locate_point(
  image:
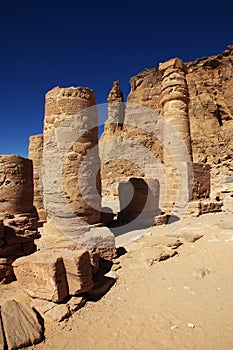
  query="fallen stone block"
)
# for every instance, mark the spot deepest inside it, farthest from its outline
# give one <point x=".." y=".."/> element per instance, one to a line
<point x="21" y="325"/>
<point x="68" y="244"/>
<point x="78" y="270"/>
<point x="42" y="275"/>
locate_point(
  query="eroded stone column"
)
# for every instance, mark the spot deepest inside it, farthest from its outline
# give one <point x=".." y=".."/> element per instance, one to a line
<point x="35" y="153"/>
<point x="16" y="185"/>
<point x="116" y="109"/>
<point x="174" y="100"/>
<point x="71" y="161"/>
<point x="18" y="218"/>
<point x="177" y="154"/>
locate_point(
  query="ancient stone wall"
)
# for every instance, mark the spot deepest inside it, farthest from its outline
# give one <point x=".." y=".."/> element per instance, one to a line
<point x="201" y="183"/>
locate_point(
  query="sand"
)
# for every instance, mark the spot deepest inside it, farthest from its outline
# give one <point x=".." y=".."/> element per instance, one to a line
<point x="184" y="302"/>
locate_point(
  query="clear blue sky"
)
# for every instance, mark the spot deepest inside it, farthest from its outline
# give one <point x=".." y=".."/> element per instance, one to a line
<point x="91" y="43"/>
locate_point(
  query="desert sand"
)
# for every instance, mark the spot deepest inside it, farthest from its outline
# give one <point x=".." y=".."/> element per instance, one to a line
<point x="183" y="302"/>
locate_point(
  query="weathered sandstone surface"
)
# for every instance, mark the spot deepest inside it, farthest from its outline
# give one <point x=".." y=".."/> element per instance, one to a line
<point x="70" y="169"/>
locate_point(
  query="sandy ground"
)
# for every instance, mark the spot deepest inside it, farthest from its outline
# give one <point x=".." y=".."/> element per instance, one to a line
<point x="182" y="303"/>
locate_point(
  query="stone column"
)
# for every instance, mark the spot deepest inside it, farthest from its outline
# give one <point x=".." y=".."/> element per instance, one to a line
<point x="177" y="154"/>
<point x="35" y="153"/>
<point x="18" y="218"/>
<point x="16" y="185"/>
<point x="174" y="100"/>
<point x="71" y="163"/>
<point x="116" y="109"/>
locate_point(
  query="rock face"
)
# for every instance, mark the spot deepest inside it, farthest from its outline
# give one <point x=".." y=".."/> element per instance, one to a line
<point x="35" y="153"/>
<point x="18" y="218"/>
<point x="55" y="273"/>
<point x="20" y="324"/>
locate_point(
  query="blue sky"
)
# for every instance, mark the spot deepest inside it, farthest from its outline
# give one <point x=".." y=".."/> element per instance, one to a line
<point x="92" y="43"/>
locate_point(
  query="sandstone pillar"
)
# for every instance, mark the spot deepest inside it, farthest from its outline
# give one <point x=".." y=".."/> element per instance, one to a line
<point x="18" y="218"/>
<point x="16" y="185"/>
<point x="116" y="108"/>
<point x="35" y="153"/>
<point x="174" y="100"/>
<point x="177" y="153"/>
<point x="71" y="163"/>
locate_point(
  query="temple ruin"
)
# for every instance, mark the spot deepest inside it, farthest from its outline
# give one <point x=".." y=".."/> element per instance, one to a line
<point x="144" y="168"/>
